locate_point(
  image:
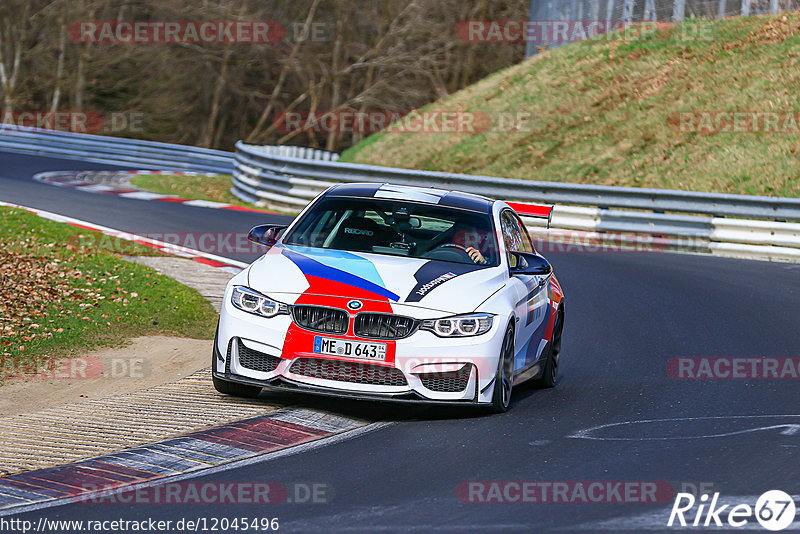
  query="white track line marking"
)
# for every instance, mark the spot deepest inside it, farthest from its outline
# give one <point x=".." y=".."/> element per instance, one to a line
<point x="789" y="428"/>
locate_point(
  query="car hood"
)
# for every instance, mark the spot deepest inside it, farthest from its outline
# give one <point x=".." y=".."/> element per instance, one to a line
<point x="286" y="272"/>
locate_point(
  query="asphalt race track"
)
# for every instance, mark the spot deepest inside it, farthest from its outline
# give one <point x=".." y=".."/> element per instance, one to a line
<point x="128" y="215"/>
<point x="627" y="314"/>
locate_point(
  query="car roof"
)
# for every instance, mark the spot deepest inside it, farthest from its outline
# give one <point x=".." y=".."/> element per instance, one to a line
<point x="428" y="195"/>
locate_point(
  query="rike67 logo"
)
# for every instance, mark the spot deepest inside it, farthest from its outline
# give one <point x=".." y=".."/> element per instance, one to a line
<point x="774" y="510"/>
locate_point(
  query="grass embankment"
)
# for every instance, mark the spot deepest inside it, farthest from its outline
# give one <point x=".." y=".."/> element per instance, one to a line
<point x="61" y="294"/>
<point x="606" y="112"/>
<point x="200" y="187"/>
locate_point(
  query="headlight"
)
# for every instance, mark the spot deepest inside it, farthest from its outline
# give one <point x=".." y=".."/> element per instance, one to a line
<point x="254" y="302"/>
<point x="460" y="325"/>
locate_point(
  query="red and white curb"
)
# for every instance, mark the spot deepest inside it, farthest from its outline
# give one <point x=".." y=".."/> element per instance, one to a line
<point x="79" y="181"/>
<point x="224" y="447"/>
<point x="199" y="256"/>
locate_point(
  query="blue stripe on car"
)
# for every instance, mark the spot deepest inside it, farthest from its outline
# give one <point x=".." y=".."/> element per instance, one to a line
<point x="344" y="261"/>
<point x="312" y="267"/>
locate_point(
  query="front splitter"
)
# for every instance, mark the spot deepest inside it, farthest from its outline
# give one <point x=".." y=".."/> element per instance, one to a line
<point x="283" y="384"/>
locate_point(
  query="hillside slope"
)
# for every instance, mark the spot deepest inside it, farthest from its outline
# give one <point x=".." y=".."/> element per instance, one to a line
<point x="627" y="113"/>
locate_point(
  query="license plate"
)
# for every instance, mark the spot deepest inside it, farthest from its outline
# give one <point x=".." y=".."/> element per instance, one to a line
<point x="350" y="349"/>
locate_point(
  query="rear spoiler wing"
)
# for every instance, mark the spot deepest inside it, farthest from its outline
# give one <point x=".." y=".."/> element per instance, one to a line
<point x="537" y="211"/>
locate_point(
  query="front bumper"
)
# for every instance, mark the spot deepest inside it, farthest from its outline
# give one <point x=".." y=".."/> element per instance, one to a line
<point x="280" y="384"/>
<point x="254" y="351"/>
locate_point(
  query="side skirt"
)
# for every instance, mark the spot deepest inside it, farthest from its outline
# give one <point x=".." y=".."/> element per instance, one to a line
<point x="532" y="371"/>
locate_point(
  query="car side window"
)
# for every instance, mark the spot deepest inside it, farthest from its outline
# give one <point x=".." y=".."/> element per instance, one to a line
<point x="515" y="235"/>
<point x="527" y="244"/>
<point x="511" y="232"/>
<point x="511" y="236"/>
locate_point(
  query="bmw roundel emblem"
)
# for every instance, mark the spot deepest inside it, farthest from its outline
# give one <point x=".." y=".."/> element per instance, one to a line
<point x="355" y="304"/>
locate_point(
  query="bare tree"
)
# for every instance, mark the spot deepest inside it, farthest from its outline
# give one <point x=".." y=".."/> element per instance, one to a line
<point x="375" y="55"/>
<point x="12" y="40"/>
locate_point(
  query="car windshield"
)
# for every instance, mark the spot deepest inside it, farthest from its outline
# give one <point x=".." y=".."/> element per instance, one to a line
<point x="398" y="228"/>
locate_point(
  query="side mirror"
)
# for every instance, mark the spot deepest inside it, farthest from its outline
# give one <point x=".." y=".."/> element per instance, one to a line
<point x="266" y="234"/>
<point x="529" y="264"/>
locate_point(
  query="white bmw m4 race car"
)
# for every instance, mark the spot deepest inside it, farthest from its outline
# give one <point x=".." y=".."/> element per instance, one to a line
<point x="393" y="293"/>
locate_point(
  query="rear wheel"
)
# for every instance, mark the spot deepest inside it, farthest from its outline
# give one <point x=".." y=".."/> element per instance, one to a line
<point x="504" y="379"/>
<point x="550" y="373"/>
<point x="227" y="387"/>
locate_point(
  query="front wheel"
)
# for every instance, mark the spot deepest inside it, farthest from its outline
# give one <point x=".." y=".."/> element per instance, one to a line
<point x="550" y="372"/>
<point x="504" y="379"/>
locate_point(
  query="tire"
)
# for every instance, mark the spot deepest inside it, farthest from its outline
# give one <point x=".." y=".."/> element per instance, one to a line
<point x="550" y="372"/>
<point x="504" y="379"/>
<point x="230" y="388"/>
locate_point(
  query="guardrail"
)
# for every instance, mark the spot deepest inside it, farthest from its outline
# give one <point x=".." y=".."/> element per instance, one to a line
<point x="146" y="155"/>
<point x="683" y="220"/>
<point x="299" y="152"/>
<point x="289" y="177"/>
<point x="293" y="180"/>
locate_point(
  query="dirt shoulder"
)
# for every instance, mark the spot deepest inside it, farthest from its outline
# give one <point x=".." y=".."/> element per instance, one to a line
<point x="62" y="294"/>
<point x="146" y="362"/>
